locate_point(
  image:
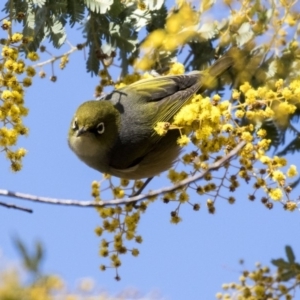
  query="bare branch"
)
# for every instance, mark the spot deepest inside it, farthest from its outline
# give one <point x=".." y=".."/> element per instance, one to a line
<point x="7" y="205"/>
<point x="216" y="165"/>
<point x="54" y="58"/>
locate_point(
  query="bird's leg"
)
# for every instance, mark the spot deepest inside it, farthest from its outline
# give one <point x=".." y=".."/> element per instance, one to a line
<point x="142" y="187"/>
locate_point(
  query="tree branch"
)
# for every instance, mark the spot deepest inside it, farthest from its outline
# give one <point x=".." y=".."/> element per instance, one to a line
<point x="7" y="205"/>
<point x="54" y="58"/>
<point x="216" y="165"/>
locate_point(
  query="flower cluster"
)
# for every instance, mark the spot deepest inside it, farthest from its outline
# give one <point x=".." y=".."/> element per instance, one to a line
<point x="261" y="284"/>
<point x="15" y="75"/>
<point x="211" y="127"/>
<point x="179" y="28"/>
<point x="121" y="221"/>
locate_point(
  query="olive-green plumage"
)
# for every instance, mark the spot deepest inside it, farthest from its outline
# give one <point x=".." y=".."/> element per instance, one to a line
<point x="116" y="136"/>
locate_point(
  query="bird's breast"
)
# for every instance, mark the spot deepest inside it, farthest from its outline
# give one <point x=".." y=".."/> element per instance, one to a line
<point x="90" y="151"/>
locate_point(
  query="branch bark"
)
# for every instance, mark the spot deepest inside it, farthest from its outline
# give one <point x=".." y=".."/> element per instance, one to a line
<point x="8" y="205"/>
<point x="216" y="165"/>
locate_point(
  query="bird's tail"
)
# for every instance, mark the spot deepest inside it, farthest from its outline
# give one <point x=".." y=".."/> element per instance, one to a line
<point x="220" y="66"/>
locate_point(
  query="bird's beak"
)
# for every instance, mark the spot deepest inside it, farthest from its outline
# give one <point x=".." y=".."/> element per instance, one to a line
<point x="81" y="131"/>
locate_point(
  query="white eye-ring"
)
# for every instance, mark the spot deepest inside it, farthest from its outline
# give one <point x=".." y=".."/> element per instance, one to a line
<point x="75" y="125"/>
<point x="100" y="128"/>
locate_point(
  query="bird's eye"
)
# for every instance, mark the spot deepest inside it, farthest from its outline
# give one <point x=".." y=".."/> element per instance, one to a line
<point x="75" y="125"/>
<point x="100" y="128"/>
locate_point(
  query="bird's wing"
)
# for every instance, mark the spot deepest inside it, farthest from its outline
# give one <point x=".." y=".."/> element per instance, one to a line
<point x="154" y="100"/>
<point x="167" y="94"/>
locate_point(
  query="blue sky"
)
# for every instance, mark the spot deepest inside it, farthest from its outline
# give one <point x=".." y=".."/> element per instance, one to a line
<point x="190" y="260"/>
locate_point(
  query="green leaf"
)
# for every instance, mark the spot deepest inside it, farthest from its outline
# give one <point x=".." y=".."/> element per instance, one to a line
<point x="76" y="11"/>
<point x="33" y="261"/>
<point x="244" y="34"/>
<point x="273" y="133"/>
<point x="99" y="6"/>
<point x="295" y="183"/>
<point x="272" y="69"/>
<point x="208" y="31"/>
<point x="292" y="147"/>
<point x="206" y="5"/>
<point x="92" y="63"/>
<point x="280" y="263"/>
<point x="290" y="254"/>
<point x="56" y="32"/>
<point x="157" y="19"/>
<point x="286" y="276"/>
<point x="154" y="4"/>
<point x="39" y="3"/>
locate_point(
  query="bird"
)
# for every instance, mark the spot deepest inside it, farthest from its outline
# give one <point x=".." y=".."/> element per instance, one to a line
<point x="115" y="135"/>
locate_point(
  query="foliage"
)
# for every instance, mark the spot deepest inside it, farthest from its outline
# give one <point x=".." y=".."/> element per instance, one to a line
<point x="262" y="283"/>
<point x="261" y="112"/>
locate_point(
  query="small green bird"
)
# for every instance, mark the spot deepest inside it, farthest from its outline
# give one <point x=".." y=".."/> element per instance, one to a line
<point x="116" y="135"/>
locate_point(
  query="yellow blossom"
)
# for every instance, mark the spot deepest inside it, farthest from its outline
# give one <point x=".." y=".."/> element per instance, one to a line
<point x="292" y="171"/>
<point x="235" y="94"/>
<point x="215" y="114"/>
<point x="124" y="182"/>
<point x="16" y="37"/>
<point x="245" y="87"/>
<point x="250" y="115"/>
<point x="183" y="140"/>
<point x="264" y="144"/>
<point x="99" y="230"/>
<point x="33" y="56"/>
<point x="239" y="113"/>
<point x="291" y="20"/>
<point x="183" y="197"/>
<point x="161" y="128"/>
<point x="120" y="85"/>
<point x="204" y="132"/>
<point x="6" y="24"/>
<point x="176" y="69"/>
<point x="187" y="114"/>
<point x="251" y="96"/>
<point x="261" y="133"/>
<point x="16" y="166"/>
<point x="9" y="53"/>
<point x="30" y="71"/>
<point x="118" y="192"/>
<point x="265" y="159"/>
<point x="247" y="136"/>
<point x="268" y="112"/>
<point x="27" y="81"/>
<point x="216" y="97"/>
<point x="286" y="108"/>
<point x="19" y="67"/>
<point x="275" y="194"/>
<point x="278" y="176"/>
<point x="154" y="39"/>
<point x="287" y="93"/>
<point x="280" y="161"/>
<point x="6" y="94"/>
<point x="173" y="175"/>
<point x="223" y="106"/>
<point x="147" y="75"/>
<point x="291" y="206"/>
<point x="279" y="83"/>
<point x="135" y="252"/>
<point x="9" y="64"/>
<point x="227" y="127"/>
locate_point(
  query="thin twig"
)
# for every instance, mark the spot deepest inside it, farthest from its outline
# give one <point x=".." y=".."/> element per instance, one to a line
<point x="54" y="58"/>
<point x="216" y="165"/>
<point x="7" y="205"/>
